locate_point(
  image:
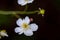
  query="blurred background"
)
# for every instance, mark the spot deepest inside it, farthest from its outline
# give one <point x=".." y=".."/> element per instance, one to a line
<point x="49" y="25"/>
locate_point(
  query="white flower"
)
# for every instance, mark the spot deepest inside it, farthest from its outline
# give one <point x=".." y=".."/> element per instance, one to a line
<point x="25" y="27"/>
<point x="3" y="33"/>
<point x="24" y="2"/>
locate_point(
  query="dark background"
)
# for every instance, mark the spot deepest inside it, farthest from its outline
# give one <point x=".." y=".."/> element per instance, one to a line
<point x="49" y="25"/>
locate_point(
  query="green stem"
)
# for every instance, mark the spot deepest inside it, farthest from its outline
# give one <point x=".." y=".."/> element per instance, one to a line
<point x="17" y="16"/>
<point x="18" y="12"/>
<point x="26" y="7"/>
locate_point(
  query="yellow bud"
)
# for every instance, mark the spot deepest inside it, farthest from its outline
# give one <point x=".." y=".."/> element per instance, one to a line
<point x="42" y="11"/>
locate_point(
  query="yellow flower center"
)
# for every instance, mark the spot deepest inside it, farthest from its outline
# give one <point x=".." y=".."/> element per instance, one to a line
<point x="25" y="25"/>
<point x="26" y="0"/>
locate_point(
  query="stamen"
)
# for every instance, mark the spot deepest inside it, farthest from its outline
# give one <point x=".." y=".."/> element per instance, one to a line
<point x="26" y="0"/>
<point x="25" y="25"/>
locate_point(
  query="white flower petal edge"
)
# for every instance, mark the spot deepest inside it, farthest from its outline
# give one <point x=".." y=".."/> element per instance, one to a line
<point x="19" y="22"/>
<point x="34" y="27"/>
<point x="21" y="32"/>
<point x="18" y="29"/>
<point x="22" y="2"/>
<point x="28" y="32"/>
<point x="30" y="1"/>
<point x="27" y="20"/>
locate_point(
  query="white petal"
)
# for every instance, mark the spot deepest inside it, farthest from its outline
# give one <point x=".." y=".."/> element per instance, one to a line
<point x="22" y="2"/>
<point x="19" y="22"/>
<point x="18" y="29"/>
<point x="21" y="32"/>
<point x="27" y="20"/>
<point x="28" y="32"/>
<point x="30" y="1"/>
<point x="33" y="27"/>
<point x="3" y="34"/>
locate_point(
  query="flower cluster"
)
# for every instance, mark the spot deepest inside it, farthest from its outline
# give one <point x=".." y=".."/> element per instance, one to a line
<point x="25" y="26"/>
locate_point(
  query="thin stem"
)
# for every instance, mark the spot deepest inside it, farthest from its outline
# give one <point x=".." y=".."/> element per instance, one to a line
<point x="26" y="7"/>
<point x="17" y="16"/>
<point x="18" y="12"/>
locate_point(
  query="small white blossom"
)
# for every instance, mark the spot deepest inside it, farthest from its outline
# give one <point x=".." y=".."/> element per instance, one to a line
<point x="3" y="33"/>
<point x="24" y="2"/>
<point x="25" y="26"/>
